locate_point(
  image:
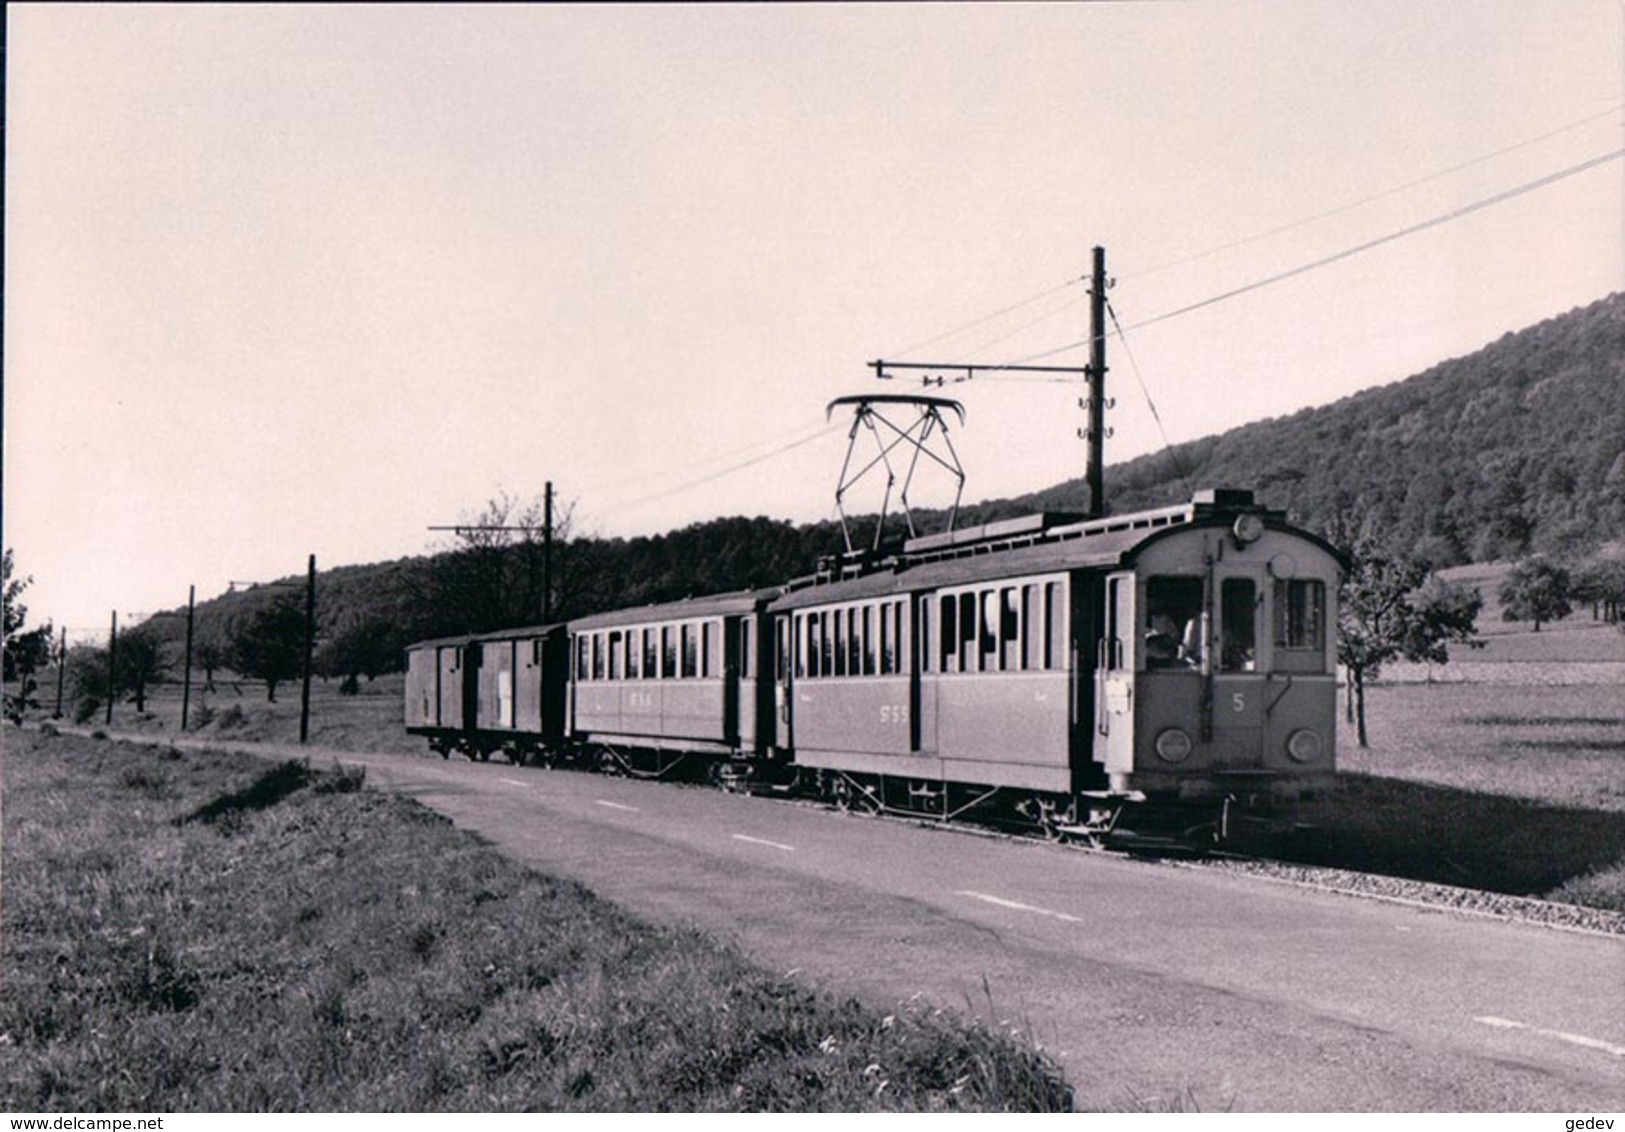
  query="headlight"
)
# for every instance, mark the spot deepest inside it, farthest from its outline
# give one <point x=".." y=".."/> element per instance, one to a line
<point x="1173" y="745"/>
<point x="1303" y="746"/>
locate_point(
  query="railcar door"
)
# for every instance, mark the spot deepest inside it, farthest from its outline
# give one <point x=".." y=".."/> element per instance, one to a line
<point x="1114" y="678"/>
<point x="777" y="730"/>
<point x="449" y="711"/>
<point x="1237" y="707"/>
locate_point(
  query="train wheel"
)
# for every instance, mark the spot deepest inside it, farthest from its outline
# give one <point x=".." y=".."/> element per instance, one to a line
<point x="840" y="793"/>
<point x="1052" y="818"/>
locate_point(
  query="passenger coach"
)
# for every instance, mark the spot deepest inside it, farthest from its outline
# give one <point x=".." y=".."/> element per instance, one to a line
<point x="671" y="680"/>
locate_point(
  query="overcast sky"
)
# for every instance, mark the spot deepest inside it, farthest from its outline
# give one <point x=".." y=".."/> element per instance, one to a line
<point x="287" y="280"/>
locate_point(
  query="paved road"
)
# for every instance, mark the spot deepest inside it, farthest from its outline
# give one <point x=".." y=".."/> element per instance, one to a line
<point x="1146" y="980"/>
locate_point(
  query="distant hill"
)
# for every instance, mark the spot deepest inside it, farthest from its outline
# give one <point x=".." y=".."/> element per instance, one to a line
<point x="1519" y="447"/>
<point x="1516" y="448"/>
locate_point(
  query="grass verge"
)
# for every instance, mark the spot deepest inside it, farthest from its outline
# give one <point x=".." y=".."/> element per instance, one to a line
<point x="198" y="932"/>
<point x="1514" y="789"/>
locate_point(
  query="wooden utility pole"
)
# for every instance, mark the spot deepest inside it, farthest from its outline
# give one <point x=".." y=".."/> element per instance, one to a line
<point x="310" y="644"/>
<point x="1097" y="388"/>
<point x="547" y="553"/>
<point x="61" y="670"/>
<point x="186" y="681"/>
<point x="112" y="667"/>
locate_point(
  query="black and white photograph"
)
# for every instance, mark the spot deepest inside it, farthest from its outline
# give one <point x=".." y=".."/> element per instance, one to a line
<point x="813" y="558"/>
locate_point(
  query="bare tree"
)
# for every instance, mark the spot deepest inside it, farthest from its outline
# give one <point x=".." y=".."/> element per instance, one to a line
<point x="23" y="652"/>
<point x="494" y="575"/>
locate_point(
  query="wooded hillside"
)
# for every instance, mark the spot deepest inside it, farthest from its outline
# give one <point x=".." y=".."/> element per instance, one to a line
<point x="1519" y="447"/>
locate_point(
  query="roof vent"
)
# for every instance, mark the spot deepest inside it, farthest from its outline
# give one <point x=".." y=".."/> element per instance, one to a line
<point x="1224" y="498"/>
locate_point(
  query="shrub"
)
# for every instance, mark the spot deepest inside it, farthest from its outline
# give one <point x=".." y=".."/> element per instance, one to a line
<point x="202" y="714"/>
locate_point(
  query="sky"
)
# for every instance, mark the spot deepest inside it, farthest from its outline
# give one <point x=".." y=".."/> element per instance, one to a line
<point x="286" y="280"/>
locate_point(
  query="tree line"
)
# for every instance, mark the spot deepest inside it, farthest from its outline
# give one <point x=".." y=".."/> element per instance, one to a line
<point x="1392" y="606"/>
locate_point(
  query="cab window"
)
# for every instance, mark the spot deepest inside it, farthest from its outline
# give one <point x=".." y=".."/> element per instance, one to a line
<point x="1300" y="614"/>
<point x="1238" y="619"/>
<point x="1172" y="635"/>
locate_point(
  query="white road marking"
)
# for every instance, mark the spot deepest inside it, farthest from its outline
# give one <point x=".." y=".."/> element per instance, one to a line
<point x="1560" y="1035"/>
<point x="769" y="844"/>
<point x="512" y="782"/>
<point x="618" y="806"/>
<point x="1023" y="907"/>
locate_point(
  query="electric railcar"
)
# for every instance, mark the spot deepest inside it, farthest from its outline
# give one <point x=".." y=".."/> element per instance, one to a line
<point x="1169" y="664"/>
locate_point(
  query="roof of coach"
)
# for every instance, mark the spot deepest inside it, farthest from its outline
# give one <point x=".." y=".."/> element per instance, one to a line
<point x="465" y="639"/>
<point x="524" y="633"/>
<point x="440" y="642"/>
<point x="715" y="605"/>
<point x="1029" y="546"/>
<point x="907" y="576"/>
<point x="1273" y="521"/>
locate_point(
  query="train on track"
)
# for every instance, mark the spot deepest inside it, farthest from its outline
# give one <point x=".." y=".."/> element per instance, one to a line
<point x="1161" y="674"/>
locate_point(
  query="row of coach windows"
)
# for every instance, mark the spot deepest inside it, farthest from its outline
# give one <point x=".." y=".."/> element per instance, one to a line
<point x="690" y="650"/>
<point x="853" y="640"/>
<point x="1002" y="629"/>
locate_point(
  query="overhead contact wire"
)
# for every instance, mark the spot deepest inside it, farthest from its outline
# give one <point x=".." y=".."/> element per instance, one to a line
<point x="990" y="317"/>
<point x="1353" y="204"/>
<point x="682" y="487"/>
<point x="1434" y="222"/>
<point x="1346" y="253"/>
<point x="1173" y="454"/>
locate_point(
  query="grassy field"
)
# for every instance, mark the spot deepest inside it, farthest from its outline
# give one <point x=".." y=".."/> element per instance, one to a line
<point x="202" y="931"/>
<point x="1577" y="638"/>
<point x="368" y="721"/>
<point x="1511" y="788"/>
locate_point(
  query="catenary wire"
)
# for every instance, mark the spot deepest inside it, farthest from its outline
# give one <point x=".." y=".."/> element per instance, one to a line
<point x="1376" y="196"/>
<point x="682" y="487"/>
<point x="782" y="434"/>
<point x="1244" y="241"/>
<point x="1031" y="299"/>
<point x="1301" y="269"/>
<point x="1050" y="313"/>
<point x="1173" y="454"/>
